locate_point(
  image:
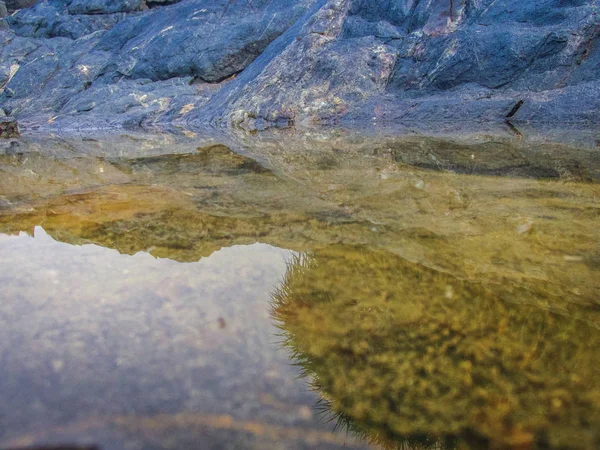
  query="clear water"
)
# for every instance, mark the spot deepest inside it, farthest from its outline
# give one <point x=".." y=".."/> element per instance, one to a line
<point x="315" y="293"/>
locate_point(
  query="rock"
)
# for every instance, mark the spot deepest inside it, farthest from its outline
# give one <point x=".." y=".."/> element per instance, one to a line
<point x="51" y="19"/>
<point x="8" y="127"/>
<point x="105" y="7"/>
<point x="155" y="3"/>
<point x="407" y="60"/>
<point x="210" y="40"/>
<point x="281" y="63"/>
<point x="145" y="68"/>
<point x="3" y="10"/>
<point x="524" y="227"/>
<point x="396" y="326"/>
<point x="128" y="104"/>
<point x="14" y="5"/>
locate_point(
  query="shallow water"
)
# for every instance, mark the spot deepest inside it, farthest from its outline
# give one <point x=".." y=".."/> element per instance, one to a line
<point x="409" y="292"/>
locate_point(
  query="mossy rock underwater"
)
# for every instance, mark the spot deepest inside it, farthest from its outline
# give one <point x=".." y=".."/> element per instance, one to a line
<point x="397" y="349"/>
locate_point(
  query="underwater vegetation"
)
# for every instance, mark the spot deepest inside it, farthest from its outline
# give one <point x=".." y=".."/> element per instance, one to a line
<point x="397" y="349"/>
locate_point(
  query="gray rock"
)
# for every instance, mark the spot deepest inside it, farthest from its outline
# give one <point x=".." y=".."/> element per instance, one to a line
<point x="353" y="60"/>
<point x="211" y="40"/>
<point x="151" y="66"/>
<point x="59" y="69"/>
<point x="130" y="104"/>
<point x="278" y="63"/>
<point x="105" y="6"/>
<point x="51" y="19"/>
<point x="3" y="10"/>
<point x="580" y="101"/>
<point x="155" y="3"/>
<point x="14" y="5"/>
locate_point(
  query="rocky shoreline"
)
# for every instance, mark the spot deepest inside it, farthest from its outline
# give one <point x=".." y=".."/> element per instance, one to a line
<point x="90" y="64"/>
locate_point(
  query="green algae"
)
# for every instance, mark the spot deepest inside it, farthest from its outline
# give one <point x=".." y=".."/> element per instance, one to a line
<point x="398" y="349"/>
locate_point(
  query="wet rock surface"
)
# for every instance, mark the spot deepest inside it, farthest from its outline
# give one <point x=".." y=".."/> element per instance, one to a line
<point x="310" y="62"/>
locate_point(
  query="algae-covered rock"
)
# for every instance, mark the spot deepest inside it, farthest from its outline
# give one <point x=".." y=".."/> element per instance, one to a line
<point x="398" y="350"/>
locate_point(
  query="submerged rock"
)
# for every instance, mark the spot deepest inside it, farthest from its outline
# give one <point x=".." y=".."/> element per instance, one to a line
<point x="458" y="307"/>
<point x="408" y="356"/>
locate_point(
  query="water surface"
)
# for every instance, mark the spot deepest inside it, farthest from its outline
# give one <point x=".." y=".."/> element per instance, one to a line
<point x="410" y="292"/>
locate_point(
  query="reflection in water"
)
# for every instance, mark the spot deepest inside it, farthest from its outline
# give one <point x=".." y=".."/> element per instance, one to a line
<point x="397" y="349"/>
<point x="131" y="351"/>
<point x="447" y="292"/>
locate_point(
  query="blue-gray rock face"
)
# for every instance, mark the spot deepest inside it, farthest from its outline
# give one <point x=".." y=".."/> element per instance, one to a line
<point x="211" y="40"/>
<point x="52" y="19"/>
<point x="80" y="62"/>
<point x="14" y="5"/>
<point x="403" y="60"/>
<point x="263" y="63"/>
<point x="104" y="6"/>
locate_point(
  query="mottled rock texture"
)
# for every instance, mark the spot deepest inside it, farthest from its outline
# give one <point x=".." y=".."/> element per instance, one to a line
<point x="13" y="5"/>
<point x="264" y="63"/>
<point x="8" y="127"/>
<point x="419" y="60"/>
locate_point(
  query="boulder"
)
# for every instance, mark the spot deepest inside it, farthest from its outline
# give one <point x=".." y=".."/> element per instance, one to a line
<point x="3" y="10"/>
